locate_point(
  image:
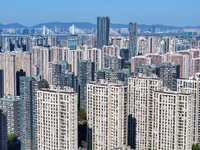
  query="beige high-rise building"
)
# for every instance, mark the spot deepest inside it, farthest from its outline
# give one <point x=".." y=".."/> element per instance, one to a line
<point x="160" y="118"/>
<point x="57" y="119"/>
<point x="94" y="55"/>
<point x="14" y="63"/>
<point x="192" y="86"/>
<point x="154" y="44"/>
<point x="119" y="41"/>
<point x="106" y="115"/>
<point x="140" y="108"/>
<point x="58" y="54"/>
<point x="171" y="121"/>
<point x="40" y="61"/>
<point x="75" y="56"/>
<point x="142" y="45"/>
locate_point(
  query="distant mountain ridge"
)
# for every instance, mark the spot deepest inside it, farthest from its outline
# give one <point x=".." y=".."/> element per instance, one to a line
<point x="87" y="25"/>
<point x="12" y="25"/>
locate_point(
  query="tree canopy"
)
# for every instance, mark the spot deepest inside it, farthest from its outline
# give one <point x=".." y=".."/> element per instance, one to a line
<point x="195" y="146"/>
<point x="13" y="142"/>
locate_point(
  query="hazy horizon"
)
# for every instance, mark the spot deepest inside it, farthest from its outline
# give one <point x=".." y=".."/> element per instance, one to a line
<point x="93" y="23"/>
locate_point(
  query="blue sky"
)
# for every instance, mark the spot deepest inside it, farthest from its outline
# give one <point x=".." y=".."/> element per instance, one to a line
<point x="166" y="12"/>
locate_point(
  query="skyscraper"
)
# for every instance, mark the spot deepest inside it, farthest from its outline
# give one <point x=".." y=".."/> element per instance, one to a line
<point x="103" y="27"/>
<point x="132" y="40"/>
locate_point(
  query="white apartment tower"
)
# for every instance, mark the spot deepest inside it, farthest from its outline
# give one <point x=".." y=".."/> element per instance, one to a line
<point x="57" y="119"/>
<point x="106" y="115"/>
<point x="192" y="86"/>
<point x="140" y="108"/>
<point x="161" y="119"/>
<point x="171" y="121"/>
<point x="40" y="61"/>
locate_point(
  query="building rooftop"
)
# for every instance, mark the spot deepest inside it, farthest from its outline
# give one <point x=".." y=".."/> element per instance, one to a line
<point x="56" y="89"/>
<point x="103" y="82"/>
<point x="10" y="98"/>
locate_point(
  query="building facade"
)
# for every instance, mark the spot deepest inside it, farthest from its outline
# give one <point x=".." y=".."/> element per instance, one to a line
<point x="140" y="108"/>
<point x="3" y="130"/>
<point x="106" y="115"/>
<point x="171" y="122"/>
<point x="1" y="83"/>
<point x="10" y="105"/>
<point x="28" y="122"/>
<point x="86" y="74"/>
<point x="103" y="28"/>
<point x="57" y="125"/>
<point x="132" y="40"/>
<point x="192" y="86"/>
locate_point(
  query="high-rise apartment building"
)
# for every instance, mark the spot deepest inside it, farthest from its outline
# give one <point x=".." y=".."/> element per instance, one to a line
<point x="94" y="55"/>
<point x="147" y="70"/>
<point x="166" y="71"/>
<point x="151" y="45"/>
<point x="142" y="45"/>
<point x="1" y="83"/>
<point x="113" y="76"/>
<point x="140" y="110"/>
<point x="169" y="73"/>
<point x="114" y="63"/>
<point x="167" y="47"/>
<point x="109" y="51"/>
<point x="103" y="28"/>
<point x="132" y="40"/>
<point x="59" y="75"/>
<point x="85" y="75"/>
<point x="76" y="55"/>
<point x="58" y="54"/>
<point x="139" y="60"/>
<point x="158" y="119"/>
<point x="182" y="60"/>
<point x="57" y="124"/>
<point x="28" y="122"/>
<point x="15" y="64"/>
<point x="155" y="58"/>
<point x="192" y="86"/>
<point x="171" y="123"/>
<point x="41" y="58"/>
<point x="106" y="115"/>
<point x="3" y="130"/>
<point x="10" y="105"/>
<point x="72" y="43"/>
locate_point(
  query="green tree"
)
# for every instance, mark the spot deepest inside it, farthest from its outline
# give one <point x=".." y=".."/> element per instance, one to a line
<point x="82" y="115"/>
<point x="84" y="144"/>
<point x="127" y="65"/>
<point x="195" y="146"/>
<point x="13" y="142"/>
